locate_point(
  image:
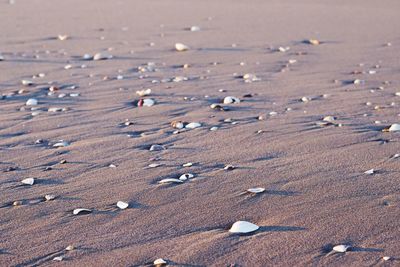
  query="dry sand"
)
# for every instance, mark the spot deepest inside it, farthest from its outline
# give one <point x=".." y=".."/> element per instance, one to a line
<point x="317" y="194"/>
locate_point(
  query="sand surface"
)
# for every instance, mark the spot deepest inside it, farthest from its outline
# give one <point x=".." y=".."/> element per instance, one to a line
<point x="317" y="194"/>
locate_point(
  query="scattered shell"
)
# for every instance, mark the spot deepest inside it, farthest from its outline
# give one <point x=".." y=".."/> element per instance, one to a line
<point x="305" y="99"/>
<point x="62" y="37"/>
<point x="229" y="167"/>
<point x="70" y="248"/>
<point x="283" y="49"/>
<point x="27" y="82"/>
<point x="154" y="165"/>
<point x="170" y="180"/>
<point x="194" y="28"/>
<point x="17" y="203"/>
<point x="146" y="102"/>
<point x="189" y="164"/>
<point x="186" y="176"/>
<point x="28" y="181"/>
<point x="49" y="197"/>
<point x="231" y="99"/>
<point x="371" y="171"/>
<point x="386" y="258"/>
<point x="81" y="211"/>
<point x="181" y="47"/>
<point x="61" y="144"/>
<point x="243" y="227"/>
<point x="193" y="125"/>
<point x="32" y="102"/>
<point x="393" y="128"/>
<point x="256" y="190"/>
<point x="249" y="78"/>
<point x="58" y="258"/>
<point x="214" y="128"/>
<point x="313" y="41"/>
<point x="102" y="56"/>
<point x="340" y="248"/>
<point x="177" y="124"/>
<point x="156" y="148"/>
<point x="122" y="205"/>
<point x="144" y="92"/>
<point x="159" y="262"/>
<point x="329" y="118"/>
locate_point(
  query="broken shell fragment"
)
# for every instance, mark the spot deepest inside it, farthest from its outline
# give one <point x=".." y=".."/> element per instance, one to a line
<point x="256" y="190"/>
<point x="143" y="92"/>
<point x="243" y="227"/>
<point x="170" y="180"/>
<point x="340" y="248"/>
<point x="229" y="167"/>
<point x="386" y="258"/>
<point x="27" y="82"/>
<point x="189" y="164"/>
<point x="371" y="171"/>
<point x="329" y="118"/>
<point x="159" y="262"/>
<point x="28" y="181"/>
<point x="122" y="205"/>
<point x="81" y="211"/>
<point x="70" y="248"/>
<point x="49" y="197"/>
<point x="58" y="258"/>
<point x="393" y="128"/>
<point x="32" y="102"/>
<point x="181" y="47"/>
<point x="313" y="42"/>
<point x="156" y="148"/>
<point x="62" y="37"/>
<point x="231" y="100"/>
<point x="177" y="124"/>
<point x="186" y="176"/>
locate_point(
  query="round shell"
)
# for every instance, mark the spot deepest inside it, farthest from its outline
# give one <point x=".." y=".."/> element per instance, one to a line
<point x="256" y="190"/>
<point x="243" y="227"/>
<point x="122" y="205"/>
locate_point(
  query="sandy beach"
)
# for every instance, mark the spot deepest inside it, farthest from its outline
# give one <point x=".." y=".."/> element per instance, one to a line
<point x="297" y="100"/>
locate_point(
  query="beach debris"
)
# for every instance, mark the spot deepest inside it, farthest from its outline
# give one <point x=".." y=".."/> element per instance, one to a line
<point x="386" y="258"/>
<point x="1" y="57"/>
<point x="28" y="181"/>
<point x="159" y="262"/>
<point x="154" y="165"/>
<point x="62" y="37"/>
<point x="357" y="81"/>
<point x="122" y="205"/>
<point x="256" y="190"/>
<point x="243" y="227"/>
<point x="214" y="128"/>
<point x="371" y="171"/>
<point x="61" y="143"/>
<point x="49" y="197"/>
<point x="17" y="203"/>
<point x="146" y="102"/>
<point x="69" y="248"/>
<point x="231" y="100"/>
<point x="169" y="181"/>
<point x="218" y="107"/>
<point x="27" y="82"/>
<point x="102" y="56"/>
<point x="81" y="211"/>
<point x="194" y="28"/>
<point x="393" y="128"/>
<point x="145" y="92"/>
<point x="178" y="124"/>
<point x="112" y="166"/>
<point x="32" y="102"/>
<point x="58" y="258"/>
<point x="186" y="176"/>
<point x="340" y="248"/>
<point x="181" y="47"/>
<point x="313" y="41"/>
<point x="193" y="125"/>
<point x="189" y="164"/>
<point x="329" y="118"/>
<point x="157" y="148"/>
<point x="283" y="49"/>
<point x="229" y="167"/>
<point x="305" y="99"/>
<point x="250" y="77"/>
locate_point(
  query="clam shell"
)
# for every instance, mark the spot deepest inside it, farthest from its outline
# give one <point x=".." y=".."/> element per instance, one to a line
<point x="49" y="197"/>
<point x="143" y="92"/>
<point x="256" y="190"/>
<point x="27" y="82"/>
<point x="329" y="118"/>
<point x="186" y="176"/>
<point x="170" y="180"/>
<point x="58" y="258"/>
<point x="62" y="37"/>
<point x="371" y="171"/>
<point x="81" y="211"/>
<point x="340" y="248"/>
<point x="122" y="205"/>
<point x="181" y="47"/>
<point x="28" y="181"/>
<point x="313" y="41"/>
<point x="194" y="28"/>
<point x="189" y="164"/>
<point x="156" y="148"/>
<point x="243" y="227"/>
<point x="193" y="125"/>
<point x="177" y="124"/>
<point x="146" y="102"/>
<point x="102" y="56"/>
<point x="386" y="258"/>
<point x="61" y="144"/>
<point x="394" y="127"/>
<point x="32" y="102"/>
<point x="229" y="167"/>
<point x="231" y="100"/>
<point x="159" y="262"/>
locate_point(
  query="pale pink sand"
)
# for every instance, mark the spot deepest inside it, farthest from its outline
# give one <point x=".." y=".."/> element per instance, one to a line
<point x="317" y="193"/>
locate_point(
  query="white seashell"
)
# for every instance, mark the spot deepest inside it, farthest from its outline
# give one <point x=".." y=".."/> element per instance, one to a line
<point x="49" y="197"/>
<point x="256" y="190"/>
<point x="58" y="258"/>
<point x="170" y="180"/>
<point x="193" y="125"/>
<point x="67" y="67"/>
<point x="54" y="109"/>
<point x="243" y="227"/>
<point x="156" y="148"/>
<point x="229" y="167"/>
<point x="214" y="128"/>
<point x="181" y="47"/>
<point x="102" y="56"/>
<point x="144" y="92"/>
<point x="329" y="118"/>
<point x="61" y="144"/>
<point x="177" y="124"/>
<point x="27" y="82"/>
<point x="231" y="99"/>
<point x="154" y="165"/>
<point x="159" y="262"/>
<point x="148" y="102"/>
<point x="28" y="181"/>
<point x="249" y="78"/>
<point x="371" y="171"/>
<point x="357" y="81"/>
<point x="84" y="211"/>
<point x="87" y="57"/>
<point x="69" y="248"/>
<point x="305" y="99"/>
<point x="394" y="128"/>
<point x="122" y="205"/>
<point x="273" y="113"/>
<point x="194" y="28"/>
<point x="32" y="102"/>
<point x="283" y="49"/>
<point x="74" y="94"/>
<point x="386" y="258"/>
<point x="62" y="37"/>
<point x="112" y="166"/>
<point x="178" y="79"/>
<point x="189" y="164"/>
<point x="186" y="176"/>
<point x="1" y="57"/>
<point x="340" y="248"/>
